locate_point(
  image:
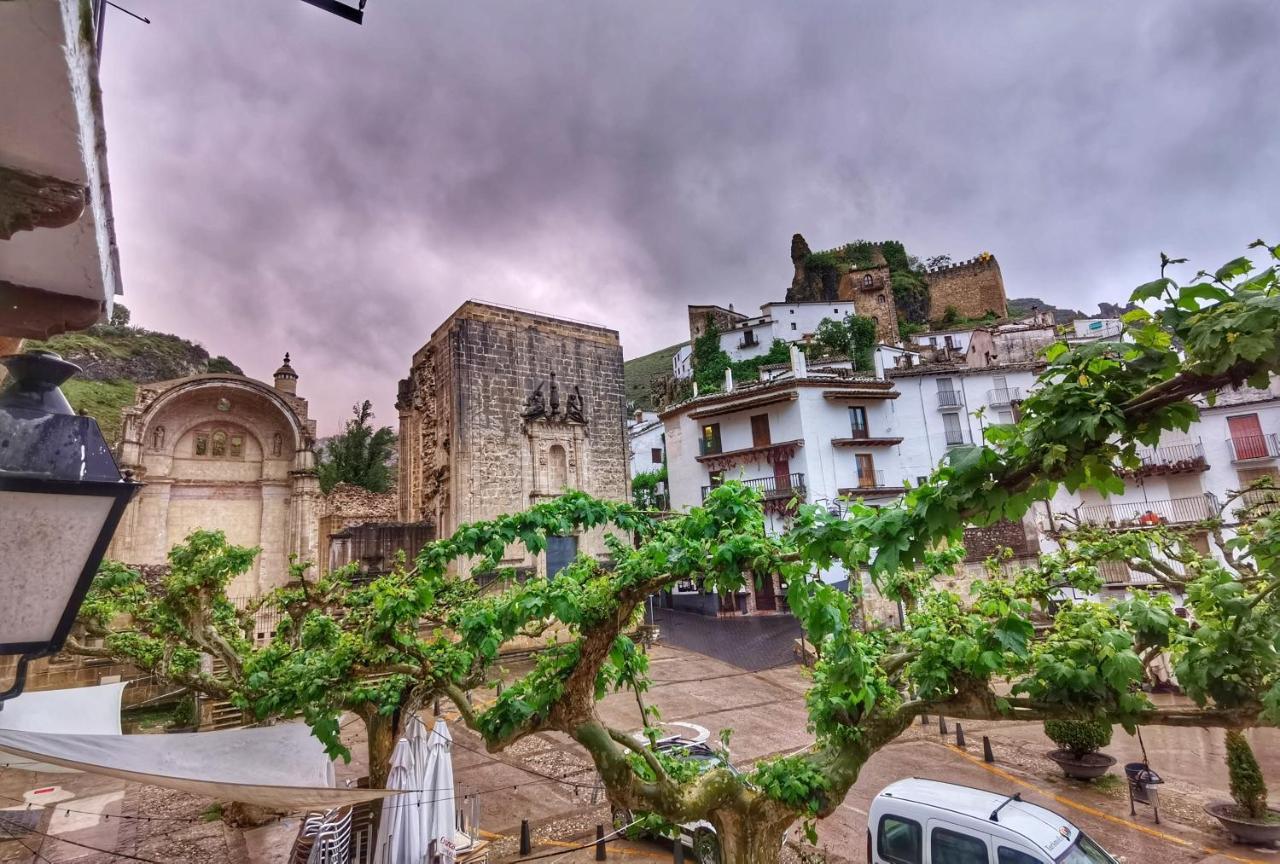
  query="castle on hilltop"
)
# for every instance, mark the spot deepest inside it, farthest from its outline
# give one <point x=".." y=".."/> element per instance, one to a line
<point x="868" y="273"/>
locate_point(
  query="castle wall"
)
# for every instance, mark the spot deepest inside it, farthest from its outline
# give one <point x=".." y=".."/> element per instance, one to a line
<point x="973" y="288"/>
<point x="872" y="294"/>
<point x="467" y="450"/>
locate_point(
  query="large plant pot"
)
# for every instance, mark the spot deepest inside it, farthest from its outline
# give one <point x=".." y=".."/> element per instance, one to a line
<point x="1090" y="767"/>
<point x="1241" y="827"/>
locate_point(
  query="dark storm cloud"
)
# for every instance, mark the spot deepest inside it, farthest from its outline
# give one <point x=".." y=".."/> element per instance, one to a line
<point x="284" y="180"/>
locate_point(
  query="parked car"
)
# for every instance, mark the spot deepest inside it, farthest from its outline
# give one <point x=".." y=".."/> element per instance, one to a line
<point x="929" y="822"/>
<point x="699" y="836"/>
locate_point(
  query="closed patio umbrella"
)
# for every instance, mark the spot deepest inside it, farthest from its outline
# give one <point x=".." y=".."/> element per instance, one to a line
<point x="439" y="820"/>
<point x="400" y="830"/>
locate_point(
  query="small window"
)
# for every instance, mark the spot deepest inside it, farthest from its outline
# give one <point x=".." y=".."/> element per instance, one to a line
<point x="1005" y="855"/>
<point x="237" y="447"/>
<point x="952" y="847"/>
<point x="793" y="325"/>
<point x="899" y="840"/>
<point x="880" y="299"/>
<point x="655" y="455"/>
<point x="836" y="311"/>
<point x="921" y="479"/>
<point x="866" y="280"/>
<point x="858" y="421"/>
<point x="218" y="445"/>
<point x="202" y="444"/>
<point x="792" y="311"/>
<point x="710" y="444"/>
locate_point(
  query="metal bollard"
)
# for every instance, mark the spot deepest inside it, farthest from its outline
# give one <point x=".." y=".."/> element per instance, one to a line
<point x="924" y="719"/>
<point x="942" y="725"/>
<point x="987" y="755"/>
<point x="677" y="851"/>
<point x="526" y="845"/>
<point x="600" y="850"/>
<point x="959" y="736"/>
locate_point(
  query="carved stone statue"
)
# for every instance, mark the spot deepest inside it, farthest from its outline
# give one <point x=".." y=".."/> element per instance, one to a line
<point x="555" y="397"/>
<point x="534" y="407"/>
<point x="573" y="409"/>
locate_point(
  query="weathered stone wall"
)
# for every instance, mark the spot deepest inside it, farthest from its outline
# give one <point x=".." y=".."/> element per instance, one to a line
<point x="872" y="295"/>
<point x="724" y="319"/>
<point x="982" y="543"/>
<point x="467" y="451"/>
<point x="973" y="288"/>
<point x="347" y="505"/>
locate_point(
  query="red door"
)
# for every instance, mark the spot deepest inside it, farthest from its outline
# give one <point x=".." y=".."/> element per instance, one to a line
<point x="1246" y="437"/>
<point x="782" y="475"/>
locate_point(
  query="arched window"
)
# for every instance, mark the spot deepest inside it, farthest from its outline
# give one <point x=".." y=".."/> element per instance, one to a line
<point x="218" y="444"/>
<point x="559" y="466"/>
<point x="880" y="299"/>
<point x="157" y="438"/>
<point x="866" y="280"/>
<point x="277" y="444"/>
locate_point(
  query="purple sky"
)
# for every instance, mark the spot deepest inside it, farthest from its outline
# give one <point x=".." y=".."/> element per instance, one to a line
<point x="285" y="180"/>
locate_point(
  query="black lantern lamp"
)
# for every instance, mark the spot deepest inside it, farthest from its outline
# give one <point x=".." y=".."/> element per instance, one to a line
<point x="61" y="497"/>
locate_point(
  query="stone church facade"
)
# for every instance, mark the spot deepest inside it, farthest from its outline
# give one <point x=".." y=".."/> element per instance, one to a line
<point x="222" y="452"/>
<point x="504" y="409"/>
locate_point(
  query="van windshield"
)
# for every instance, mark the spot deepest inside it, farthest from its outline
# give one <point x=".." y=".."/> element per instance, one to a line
<point x="1085" y="851"/>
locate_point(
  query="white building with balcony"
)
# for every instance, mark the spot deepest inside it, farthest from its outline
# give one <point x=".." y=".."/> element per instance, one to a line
<point x="950" y="404"/>
<point x="645" y="436"/>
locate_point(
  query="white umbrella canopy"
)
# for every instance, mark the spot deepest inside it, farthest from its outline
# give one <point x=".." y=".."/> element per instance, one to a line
<point x="439" y="817"/>
<point x="400" y="836"/>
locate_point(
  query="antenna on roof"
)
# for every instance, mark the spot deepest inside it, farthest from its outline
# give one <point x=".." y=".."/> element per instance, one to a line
<point x="995" y="814"/>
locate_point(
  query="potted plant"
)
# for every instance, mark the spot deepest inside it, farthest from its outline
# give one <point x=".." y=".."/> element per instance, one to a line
<point x="1078" y="744"/>
<point x="1247" y="816"/>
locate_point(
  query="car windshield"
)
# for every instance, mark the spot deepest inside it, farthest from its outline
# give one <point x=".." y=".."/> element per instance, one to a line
<point x="1085" y="851"/>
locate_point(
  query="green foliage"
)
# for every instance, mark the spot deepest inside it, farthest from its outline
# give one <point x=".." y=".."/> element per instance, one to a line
<point x="797" y="783"/>
<point x="101" y="400"/>
<point x="708" y="361"/>
<point x="120" y="315"/>
<point x="644" y="489"/>
<point x="862" y="339"/>
<point x="749" y="369"/>
<point x="1081" y="737"/>
<point x="1248" y="789"/>
<point x="359" y="456"/>
<point x="222" y="366"/>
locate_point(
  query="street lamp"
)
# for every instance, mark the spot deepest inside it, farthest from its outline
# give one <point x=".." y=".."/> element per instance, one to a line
<point x="61" y="497"/>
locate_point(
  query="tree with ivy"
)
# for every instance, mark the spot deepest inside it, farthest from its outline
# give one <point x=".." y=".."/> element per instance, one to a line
<point x="360" y="455"/>
<point x="406" y="637"/>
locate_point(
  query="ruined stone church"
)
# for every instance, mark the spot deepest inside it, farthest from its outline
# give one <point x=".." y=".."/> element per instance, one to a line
<point x="503" y="409"/>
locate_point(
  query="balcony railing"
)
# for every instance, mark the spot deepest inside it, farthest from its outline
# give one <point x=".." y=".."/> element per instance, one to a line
<point x="955" y="438"/>
<point x="1004" y="395"/>
<point x="772" y="488"/>
<point x="748" y="342"/>
<point x="709" y="448"/>
<point x="1247" y="447"/>
<point x="949" y="399"/>
<point x="871" y="479"/>
<point x="1174" y="457"/>
<point x="1143" y="514"/>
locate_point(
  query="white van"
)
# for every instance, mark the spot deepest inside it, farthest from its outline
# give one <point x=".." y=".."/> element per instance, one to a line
<point x="929" y="822"/>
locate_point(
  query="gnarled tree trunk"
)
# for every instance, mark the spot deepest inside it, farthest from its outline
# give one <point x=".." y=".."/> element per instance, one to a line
<point x="751" y="834"/>
<point x="381" y="730"/>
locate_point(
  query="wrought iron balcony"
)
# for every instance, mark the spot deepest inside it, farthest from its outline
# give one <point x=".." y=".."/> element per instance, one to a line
<point x="871" y="482"/>
<point x="1004" y="395"/>
<point x="1245" y="448"/>
<point x="772" y="488"/>
<point x="955" y="438"/>
<point x="1172" y="458"/>
<point x="1145" y="514"/>
<point x="949" y="399"/>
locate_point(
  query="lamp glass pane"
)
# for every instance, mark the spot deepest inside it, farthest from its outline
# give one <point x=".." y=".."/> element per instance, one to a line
<point x="45" y="541"/>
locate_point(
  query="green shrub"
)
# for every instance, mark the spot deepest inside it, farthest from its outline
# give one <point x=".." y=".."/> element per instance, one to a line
<point x="1081" y="737"/>
<point x="1248" y="789"/>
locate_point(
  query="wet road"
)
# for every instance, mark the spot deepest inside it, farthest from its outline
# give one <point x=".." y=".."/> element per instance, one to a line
<point x="754" y="643"/>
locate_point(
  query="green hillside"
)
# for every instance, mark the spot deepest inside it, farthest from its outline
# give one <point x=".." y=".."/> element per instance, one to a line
<point x="639" y="371"/>
<point x="116" y="358"/>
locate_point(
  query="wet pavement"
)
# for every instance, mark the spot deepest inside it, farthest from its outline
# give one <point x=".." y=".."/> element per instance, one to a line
<point x="754" y="642"/>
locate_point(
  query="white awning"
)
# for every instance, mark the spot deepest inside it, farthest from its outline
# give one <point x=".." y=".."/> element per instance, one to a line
<point x="281" y="766"/>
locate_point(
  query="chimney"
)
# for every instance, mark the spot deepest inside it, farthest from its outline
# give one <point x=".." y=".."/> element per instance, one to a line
<point x="798" y="364"/>
<point x="730" y="307"/>
<point x="286" y="378"/>
<point x="728" y="380"/>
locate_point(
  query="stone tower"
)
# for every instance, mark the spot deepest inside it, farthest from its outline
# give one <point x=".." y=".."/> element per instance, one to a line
<point x="504" y="409"/>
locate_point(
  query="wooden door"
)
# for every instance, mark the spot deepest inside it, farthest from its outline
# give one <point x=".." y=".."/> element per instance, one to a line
<point x="760" y="431"/>
<point x="866" y="470"/>
<point x="782" y="475"/>
<point x="1246" y="437"/>
<point x="766" y="600"/>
